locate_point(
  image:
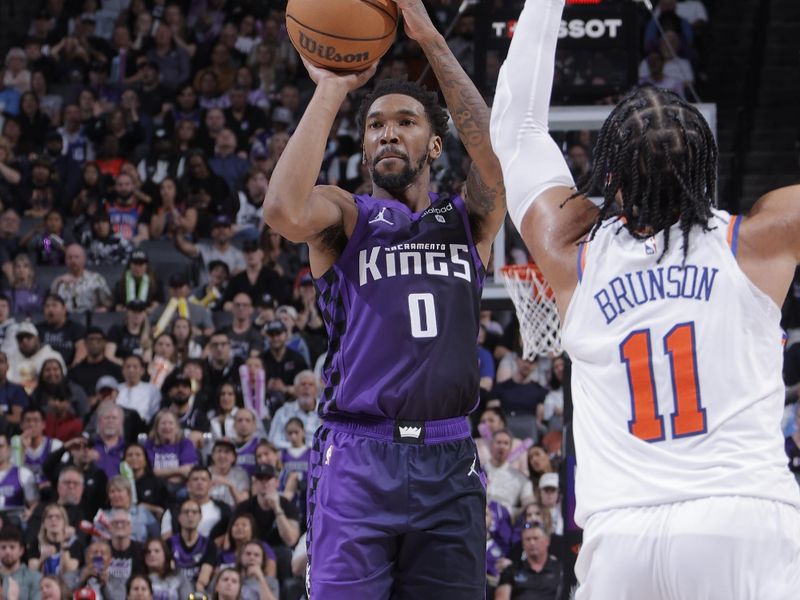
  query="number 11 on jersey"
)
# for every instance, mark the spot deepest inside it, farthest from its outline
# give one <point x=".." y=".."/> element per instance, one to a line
<point x="688" y="417"/>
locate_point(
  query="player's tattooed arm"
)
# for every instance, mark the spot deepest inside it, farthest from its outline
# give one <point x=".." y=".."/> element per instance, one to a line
<point x="470" y="114"/>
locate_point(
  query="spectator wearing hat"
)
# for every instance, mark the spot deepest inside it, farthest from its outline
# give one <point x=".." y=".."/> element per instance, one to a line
<point x="225" y="162"/>
<point x="243" y="336"/>
<point x="88" y="372"/>
<point x="220" y="247"/>
<point x="132" y="336"/>
<point x="103" y="246"/>
<point x="257" y="280"/>
<point x="62" y="334"/>
<point x="82" y="290"/>
<point x="174" y="63"/>
<point x="548" y="490"/>
<point x="275" y="516"/>
<point x="137" y="395"/>
<point x="79" y="454"/>
<point x="230" y="483"/>
<point x="179" y="305"/>
<point x="138" y="283"/>
<point x="211" y="293"/>
<point x="25" y="362"/>
<point x="538" y="576"/>
<point x="160" y="163"/>
<point x="281" y="363"/>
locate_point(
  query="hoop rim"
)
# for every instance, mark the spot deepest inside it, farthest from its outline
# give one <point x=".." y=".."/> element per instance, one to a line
<point x="525" y="272"/>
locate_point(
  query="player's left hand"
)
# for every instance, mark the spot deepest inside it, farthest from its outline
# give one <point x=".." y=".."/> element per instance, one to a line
<point x="418" y="24"/>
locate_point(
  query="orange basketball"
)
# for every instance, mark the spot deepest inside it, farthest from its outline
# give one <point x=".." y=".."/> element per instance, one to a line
<point x="342" y="35"/>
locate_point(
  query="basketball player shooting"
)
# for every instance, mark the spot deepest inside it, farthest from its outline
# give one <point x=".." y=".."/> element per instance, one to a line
<point x="670" y="312"/>
<point x="396" y="499"/>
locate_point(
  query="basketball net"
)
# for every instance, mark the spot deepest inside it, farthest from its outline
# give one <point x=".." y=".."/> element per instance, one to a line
<point x="535" y="304"/>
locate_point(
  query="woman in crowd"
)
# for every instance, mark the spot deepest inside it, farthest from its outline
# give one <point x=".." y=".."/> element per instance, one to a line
<point x="120" y="496"/>
<point x="139" y="588"/>
<point x="278" y="255"/>
<point x="90" y="198"/>
<point x="172" y="214"/>
<point x="33" y="123"/>
<point x="252" y="564"/>
<point x="132" y="336"/>
<point x="102" y="245"/>
<point x="554" y="401"/>
<point x="538" y="464"/>
<point x="49" y="104"/>
<point x="56" y="550"/>
<point x="171" y="455"/>
<point x="241" y="530"/>
<point x="185" y="345"/>
<point x="163" y="360"/>
<point x="25" y="295"/>
<point x="221" y="418"/>
<point x="228" y="585"/>
<point x="167" y="582"/>
<point x="150" y="490"/>
<point x="52" y="587"/>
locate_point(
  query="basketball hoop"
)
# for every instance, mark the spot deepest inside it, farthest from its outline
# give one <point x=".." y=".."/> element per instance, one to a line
<point x="535" y="304"/>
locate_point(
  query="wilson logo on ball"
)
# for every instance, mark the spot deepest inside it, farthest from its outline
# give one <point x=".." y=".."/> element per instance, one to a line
<point x="329" y="52"/>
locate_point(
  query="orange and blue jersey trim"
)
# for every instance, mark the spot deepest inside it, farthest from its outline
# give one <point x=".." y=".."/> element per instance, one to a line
<point x="581" y="259"/>
<point x="733" y="233"/>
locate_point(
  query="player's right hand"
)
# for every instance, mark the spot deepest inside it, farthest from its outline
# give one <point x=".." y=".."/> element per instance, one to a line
<point x="351" y="81"/>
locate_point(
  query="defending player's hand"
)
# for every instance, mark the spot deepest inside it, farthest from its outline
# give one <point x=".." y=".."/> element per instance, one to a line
<point x="417" y="22"/>
<point x="351" y="81"/>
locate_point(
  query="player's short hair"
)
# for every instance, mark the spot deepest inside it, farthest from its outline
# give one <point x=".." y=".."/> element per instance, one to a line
<point x="658" y="151"/>
<point x="437" y="116"/>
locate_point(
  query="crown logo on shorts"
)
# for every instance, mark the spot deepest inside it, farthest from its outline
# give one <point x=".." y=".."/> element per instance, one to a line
<point x="412" y="432"/>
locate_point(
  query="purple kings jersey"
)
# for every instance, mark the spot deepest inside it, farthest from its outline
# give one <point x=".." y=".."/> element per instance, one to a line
<point x="11" y="493"/>
<point x="401" y="310"/>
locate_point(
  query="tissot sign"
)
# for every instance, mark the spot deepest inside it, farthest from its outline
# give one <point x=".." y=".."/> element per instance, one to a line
<point x="597" y="50"/>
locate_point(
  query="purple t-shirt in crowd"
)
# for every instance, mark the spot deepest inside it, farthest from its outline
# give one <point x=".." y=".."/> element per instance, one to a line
<point x="170" y="456"/>
<point x="401" y="307"/>
<point x="110" y="458"/>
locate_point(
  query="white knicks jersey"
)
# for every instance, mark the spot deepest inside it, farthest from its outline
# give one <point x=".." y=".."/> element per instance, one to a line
<point x="676" y="376"/>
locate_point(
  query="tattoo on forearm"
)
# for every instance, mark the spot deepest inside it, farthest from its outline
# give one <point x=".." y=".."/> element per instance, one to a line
<point x="480" y="197"/>
<point x="467" y="107"/>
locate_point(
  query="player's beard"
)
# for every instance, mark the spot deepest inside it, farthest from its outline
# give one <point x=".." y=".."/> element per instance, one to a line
<point x="395" y="183"/>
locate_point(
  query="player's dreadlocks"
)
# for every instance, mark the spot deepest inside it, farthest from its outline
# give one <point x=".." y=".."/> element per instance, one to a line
<point x="437" y="116"/>
<point x="656" y="150"/>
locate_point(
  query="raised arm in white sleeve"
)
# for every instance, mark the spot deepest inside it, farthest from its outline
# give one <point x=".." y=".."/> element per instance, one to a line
<point x="531" y="161"/>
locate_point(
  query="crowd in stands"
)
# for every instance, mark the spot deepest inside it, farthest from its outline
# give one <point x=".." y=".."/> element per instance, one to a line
<point x="161" y="349"/>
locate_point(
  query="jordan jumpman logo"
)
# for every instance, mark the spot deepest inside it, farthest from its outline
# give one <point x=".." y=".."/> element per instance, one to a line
<point x="472" y="470"/>
<point x="380" y="218"/>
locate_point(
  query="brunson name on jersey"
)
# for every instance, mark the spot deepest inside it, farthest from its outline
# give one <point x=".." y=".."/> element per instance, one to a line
<point x="444" y="260"/>
<point x="640" y="287"/>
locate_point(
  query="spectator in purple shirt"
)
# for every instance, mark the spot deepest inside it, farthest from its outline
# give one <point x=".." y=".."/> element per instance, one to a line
<point x="171" y="455"/>
<point x="110" y="442"/>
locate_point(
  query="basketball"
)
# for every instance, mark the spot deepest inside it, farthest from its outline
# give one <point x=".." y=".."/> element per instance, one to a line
<point x="342" y="35"/>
